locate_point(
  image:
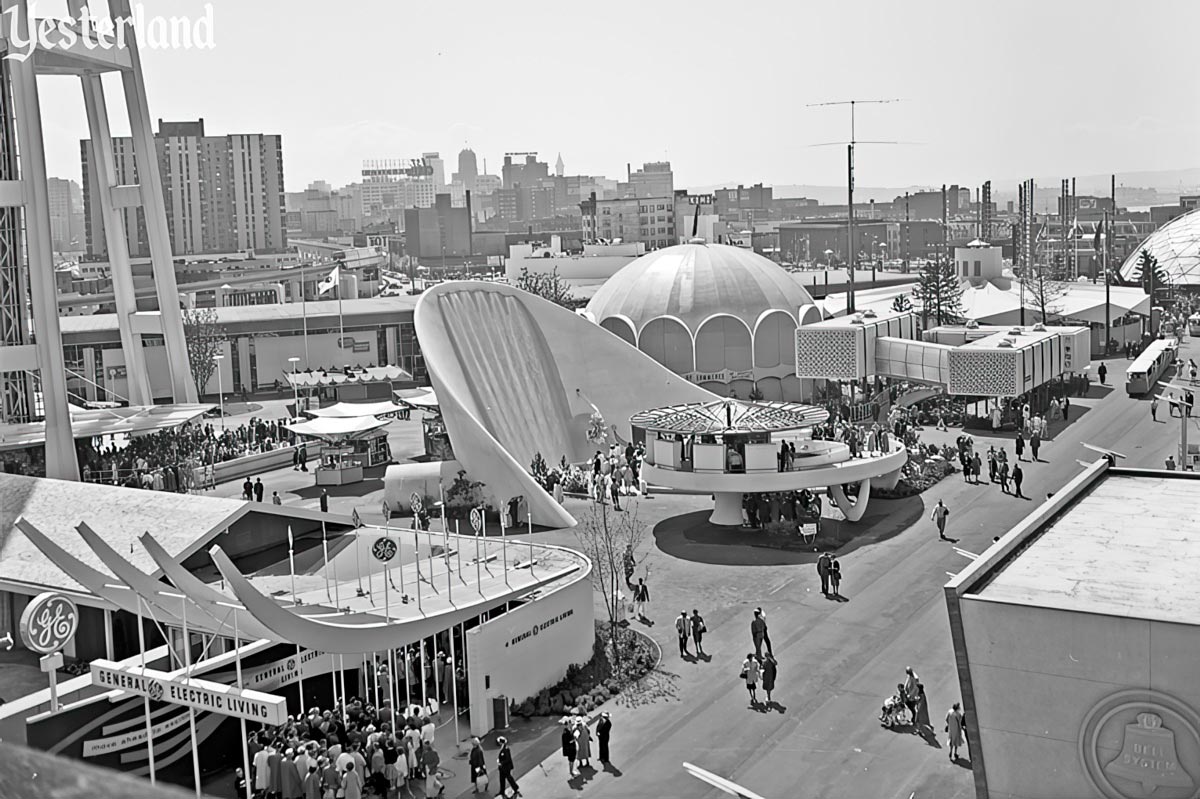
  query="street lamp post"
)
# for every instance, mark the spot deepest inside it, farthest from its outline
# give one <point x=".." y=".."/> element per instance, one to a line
<point x="220" y="389"/>
<point x="294" y="360"/>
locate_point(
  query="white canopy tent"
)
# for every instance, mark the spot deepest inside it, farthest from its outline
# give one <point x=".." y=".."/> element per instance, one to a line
<point x="356" y="410"/>
<point x="335" y="428"/>
<point x="417" y="397"/>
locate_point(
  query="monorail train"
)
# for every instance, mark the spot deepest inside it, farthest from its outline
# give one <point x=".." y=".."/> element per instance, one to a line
<point x="1149" y="367"/>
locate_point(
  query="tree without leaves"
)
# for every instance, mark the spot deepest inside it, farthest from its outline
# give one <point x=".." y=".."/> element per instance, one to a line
<point x="204" y="338"/>
<point x="549" y="286"/>
<point x="938" y="294"/>
<point x="604" y="538"/>
<point x="1044" y="294"/>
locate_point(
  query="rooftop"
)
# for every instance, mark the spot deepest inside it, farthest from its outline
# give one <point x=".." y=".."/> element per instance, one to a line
<point x="1124" y="544"/>
<point x="730" y="416"/>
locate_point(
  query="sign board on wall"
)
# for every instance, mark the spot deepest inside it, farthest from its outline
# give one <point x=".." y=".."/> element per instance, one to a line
<point x="205" y="695"/>
<point x="517" y="654"/>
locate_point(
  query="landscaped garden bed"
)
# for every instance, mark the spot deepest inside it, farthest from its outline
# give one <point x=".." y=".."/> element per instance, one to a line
<point x="588" y="685"/>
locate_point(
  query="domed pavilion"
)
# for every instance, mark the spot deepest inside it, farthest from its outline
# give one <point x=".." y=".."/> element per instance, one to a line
<point x="723" y="317"/>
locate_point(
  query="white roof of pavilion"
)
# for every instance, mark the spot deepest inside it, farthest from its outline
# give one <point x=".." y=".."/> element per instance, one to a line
<point x="338" y="427"/>
<point x="354" y="410"/>
<point x="729" y="416"/>
<point x="90" y="422"/>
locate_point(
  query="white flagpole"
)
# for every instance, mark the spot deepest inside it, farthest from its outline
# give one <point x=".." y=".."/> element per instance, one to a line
<point x="146" y="699"/>
<point x="237" y="660"/>
<point x="358" y="559"/>
<point x="478" y="573"/>
<point x="483" y="533"/>
<point x="504" y="544"/>
<point x="304" y="313"/>
<point x="417" y="548"/>
<point x="341" y="324"/>
<point x="295" y="601"/>
<point x="187" y="663"/>
<point x="453" y="688"/>
<point x="325" y="548"/>
<point x="530" y="513"/>
<point x="407" y="682"/>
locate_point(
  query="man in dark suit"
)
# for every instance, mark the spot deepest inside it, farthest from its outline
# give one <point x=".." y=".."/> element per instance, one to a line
<point x="823" y="570"/>
<point x="258" y="489"/>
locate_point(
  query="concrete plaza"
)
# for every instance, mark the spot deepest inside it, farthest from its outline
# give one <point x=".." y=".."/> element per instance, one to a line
<point x="837" y="660"/>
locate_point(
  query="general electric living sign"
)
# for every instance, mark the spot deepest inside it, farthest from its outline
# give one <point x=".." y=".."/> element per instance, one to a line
<point x="214" y="697"/>
<point x="537" y="628"/>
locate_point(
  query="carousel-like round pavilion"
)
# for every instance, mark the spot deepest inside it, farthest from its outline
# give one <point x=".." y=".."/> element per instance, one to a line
<point x="731" y="447"/>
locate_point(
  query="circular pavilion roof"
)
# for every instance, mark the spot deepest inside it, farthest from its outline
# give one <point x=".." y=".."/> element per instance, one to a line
<point x="1176" y="245"/>
<point x="730" y="416"/>
<point x="692" y="282"/>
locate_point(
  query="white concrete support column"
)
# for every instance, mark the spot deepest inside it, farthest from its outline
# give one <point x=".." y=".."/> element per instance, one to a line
<point x="853" y="510"/>
<point x="727" y="510"/>
<point x="61" y="462"/>
<point x="183" y="388"/>
<point x="138" y="377"/>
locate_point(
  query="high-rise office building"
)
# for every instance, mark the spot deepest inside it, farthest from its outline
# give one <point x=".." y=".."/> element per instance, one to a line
<point x="523" y="173"/>
<point x="439" y="169"/>
<point x="222" y="193"/>
<point x="468" y="169"/>
<point x="393" y="184"/>
<point x="652" y="180"/>
<point x="66" y="214"/>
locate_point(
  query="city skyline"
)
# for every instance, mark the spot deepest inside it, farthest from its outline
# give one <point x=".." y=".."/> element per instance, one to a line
<point x="590" y="107"/>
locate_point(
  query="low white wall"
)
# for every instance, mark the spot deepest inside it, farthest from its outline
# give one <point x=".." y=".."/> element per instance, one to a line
<point x="519" y="653"/>
<point x="249" y="465"/>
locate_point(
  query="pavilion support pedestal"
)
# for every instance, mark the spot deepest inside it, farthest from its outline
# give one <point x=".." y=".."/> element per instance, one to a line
<point x="727" y="511"/>
<point x="853" y="510"/>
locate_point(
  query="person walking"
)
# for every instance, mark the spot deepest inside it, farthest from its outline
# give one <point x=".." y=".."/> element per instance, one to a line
<point x="641" y="596"/>
<point x="569" y="747"/>
<point x="823" y="570"/>
<point x="835" y="577"/>
<point x="940" y="512"/>
<point x="1004" y="478"/>
<point x="751" y="673"/>
<point x="259" y="488"/>
<point x="991" y="457"/>
<point x="698" y="631"/>
<point x="1020" y="442"/>
<point x="770" y="670"/>
<point x="956" y="730"/>
<point x="276" y="499"/>
<point x="352" y="783"/>
<point x="478" y="765"/>
<point x="248" y="490"/>
<point x="430" y="760"/>
<point x="912" y="693"/>
<point x="584" y="743"/>
<point x="1035" y="443"/>
<point x="603" y="731"/>
<point x="324" y="500"/>
<point x="1103" y="372"/>
<point x="1017" y="477"/>
<point x="504" y="765"/>
<point x="682" y="628"/>
<point x="758" y="632"/>
<point x="1154" y="409"/>
<point x="976" y="468"/>
<point x="1066" y="406"/>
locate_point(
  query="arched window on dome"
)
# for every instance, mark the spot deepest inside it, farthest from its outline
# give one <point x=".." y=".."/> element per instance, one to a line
<point x="723" y="342"/>
<point x="667" y="341"/>
<point x="775" y="340"/>
<point x="621" y="328"/>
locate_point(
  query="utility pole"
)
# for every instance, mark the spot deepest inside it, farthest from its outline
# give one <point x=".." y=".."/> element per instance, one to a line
<point x="907" y="233"/>
<point x="850" y="186"/>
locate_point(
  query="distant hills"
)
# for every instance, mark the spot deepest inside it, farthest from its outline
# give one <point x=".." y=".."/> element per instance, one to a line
<point x="1169" y="182"/>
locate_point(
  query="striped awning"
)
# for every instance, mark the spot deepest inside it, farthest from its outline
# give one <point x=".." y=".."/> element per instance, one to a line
<point x="729" y="416"/>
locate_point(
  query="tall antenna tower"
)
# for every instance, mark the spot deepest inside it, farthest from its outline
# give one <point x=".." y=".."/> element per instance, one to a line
<point x="851" y="257"/>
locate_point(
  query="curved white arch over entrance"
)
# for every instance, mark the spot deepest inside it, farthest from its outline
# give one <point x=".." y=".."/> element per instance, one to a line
<point x="724" y="342"/>
<point x="622" y="327"/>
<point x="668" y="341"/>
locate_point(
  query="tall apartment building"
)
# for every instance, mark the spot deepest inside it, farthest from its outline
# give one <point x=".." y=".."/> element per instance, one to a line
<point x="66" y="214"/>
<point x="222" y="193"/>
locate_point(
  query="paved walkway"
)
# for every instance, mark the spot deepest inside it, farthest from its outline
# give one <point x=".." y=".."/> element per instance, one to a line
<point x="837" y="659"/>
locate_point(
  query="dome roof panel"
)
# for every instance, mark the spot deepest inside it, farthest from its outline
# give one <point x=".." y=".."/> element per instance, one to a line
<point x="694" y="281"/>
<point x="1176" y="245"/>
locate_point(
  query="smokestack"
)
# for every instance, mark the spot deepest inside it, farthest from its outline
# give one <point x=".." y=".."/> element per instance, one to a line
<point x="470" y="226"/>
<point x="628" y="171"/>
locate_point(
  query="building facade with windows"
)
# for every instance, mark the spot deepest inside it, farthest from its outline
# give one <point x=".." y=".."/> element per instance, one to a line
<point x="222" y="193"/>
<point x="649" y="220"/>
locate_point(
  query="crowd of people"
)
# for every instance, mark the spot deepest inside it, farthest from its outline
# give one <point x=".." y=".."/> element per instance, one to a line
<point x="168" y="460"/>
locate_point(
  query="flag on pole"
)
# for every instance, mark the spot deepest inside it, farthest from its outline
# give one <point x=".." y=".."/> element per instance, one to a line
<point x="291" y="541"/>
<point x="1096" y="239"/>
<point x="330" y="281"/>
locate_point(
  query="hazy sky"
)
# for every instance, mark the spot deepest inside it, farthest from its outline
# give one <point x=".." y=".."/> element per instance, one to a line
<point x="989" y="90"/>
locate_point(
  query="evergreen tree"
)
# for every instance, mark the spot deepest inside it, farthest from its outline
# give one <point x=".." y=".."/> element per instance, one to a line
<point x="938" y="294"/>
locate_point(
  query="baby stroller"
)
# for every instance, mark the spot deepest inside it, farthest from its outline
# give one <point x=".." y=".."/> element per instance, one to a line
<point x="894" y="712"/>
